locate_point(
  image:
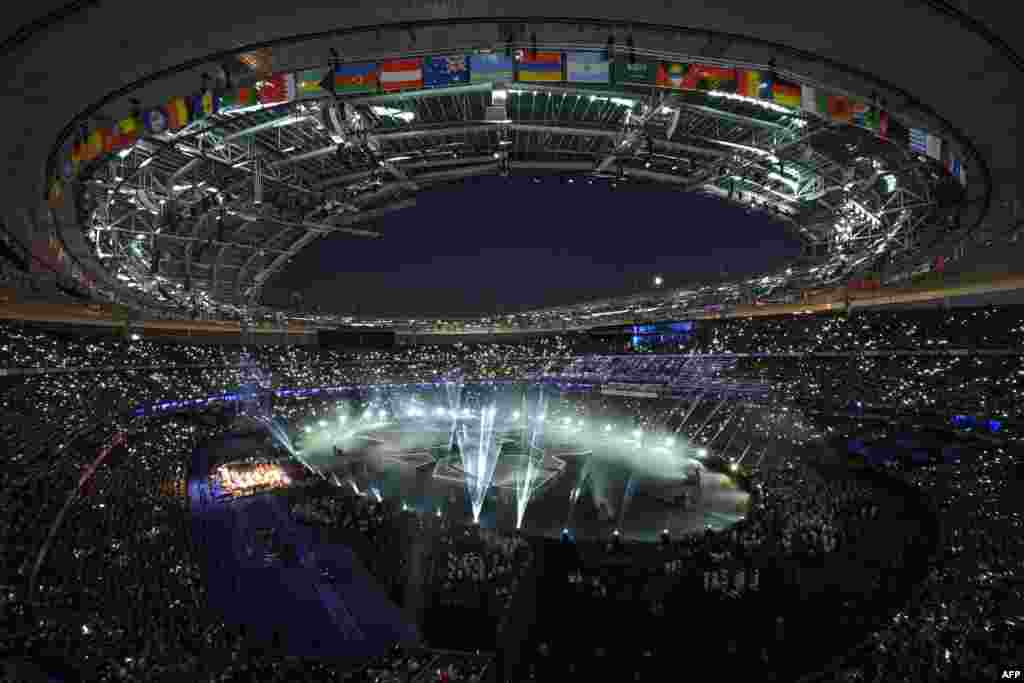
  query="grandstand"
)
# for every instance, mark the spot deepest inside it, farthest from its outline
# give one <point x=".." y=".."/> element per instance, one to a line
<point x="807" y="472"/>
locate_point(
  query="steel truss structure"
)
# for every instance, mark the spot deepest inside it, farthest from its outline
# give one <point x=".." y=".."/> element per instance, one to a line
<point x="202" y="219"/>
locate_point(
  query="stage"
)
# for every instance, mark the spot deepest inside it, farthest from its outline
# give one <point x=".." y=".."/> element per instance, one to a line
<point x="415" y="465"/>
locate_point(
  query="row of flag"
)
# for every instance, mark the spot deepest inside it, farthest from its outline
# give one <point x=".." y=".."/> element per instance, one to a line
<point x="584" y="67"/>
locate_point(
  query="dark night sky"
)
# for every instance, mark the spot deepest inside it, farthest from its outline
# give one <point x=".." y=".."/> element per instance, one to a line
<point x="505" y="245"/>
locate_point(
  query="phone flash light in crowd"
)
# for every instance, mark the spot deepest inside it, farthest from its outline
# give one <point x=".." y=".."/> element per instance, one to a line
<point x="439" y="512"/>
<point x="658" y="281"/>
<point x="615" y="533"/>
<point x="135" y="336"/>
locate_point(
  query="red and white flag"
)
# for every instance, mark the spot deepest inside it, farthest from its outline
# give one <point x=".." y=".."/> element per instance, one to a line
<point x="280" y="88"/>
<point x="401" y="74"/>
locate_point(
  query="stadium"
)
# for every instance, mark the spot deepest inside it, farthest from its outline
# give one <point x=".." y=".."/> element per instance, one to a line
<point x="287" y="393"/>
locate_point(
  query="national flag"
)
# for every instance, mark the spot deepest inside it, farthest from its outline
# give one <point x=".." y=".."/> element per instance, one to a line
<point x="77" y="154"/>
<point x="810" y="102"/>
<point x="956" y="168"/>
<point x="310" y="83"/>
<point x="749" y="83"/>
<point x="586" y="67"/>
<point x="638" y="72"/>
<point x="401" y="74"/>
<point x="86" y="152"/>
<point x="204" y="104"/>
<point x="716" y="78"/>
<point x="155" y="120"/>
<point x="877" y="121"/>
<point x="177" y="113"/>
<point x="57" y="249"/>
<point x="100" y="142"/>
<point x="439" y="72"/>
<point x="839" y="108"/>
<point x="860" y="111"/>
<point x="239" y="98"/>
<point x="110" y="138"/>
<point x="129" y="130"/>
<point x="541" y="66"/>
<point x="278" y="89"/>
<point x="672" y="75"/>
<point x="356" y="78"/>
<point x="96" y="139"/>
<point x="918" y="141"/>
<point x="491" y="67"/>
<point x="55" y="196"/>
<point x="786" y="93"/>
<point x="934" y="147"/>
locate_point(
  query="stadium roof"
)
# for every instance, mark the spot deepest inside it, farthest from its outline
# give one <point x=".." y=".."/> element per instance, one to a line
<point x="393" y="146"/>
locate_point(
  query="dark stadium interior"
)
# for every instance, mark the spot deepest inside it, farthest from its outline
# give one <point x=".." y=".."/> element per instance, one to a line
<point x="491" y="342"/>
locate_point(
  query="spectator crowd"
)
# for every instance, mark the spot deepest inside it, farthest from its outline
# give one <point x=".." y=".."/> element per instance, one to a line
<point x="119" y="592"/>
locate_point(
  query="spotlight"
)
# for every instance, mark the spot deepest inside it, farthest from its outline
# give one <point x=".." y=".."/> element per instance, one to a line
<point x="322" y="423"/>
<point x="734" y="467"/>
<point x="607" y="428"/>
<point x="135" y="336"/>
<point x="658" y="281"/>
<point x="670" y="441"/>
<point x="308" y="429"/>
<point x="439" y="512"/>
<point x="702" y="452"/>
<point x="637" y="433"/>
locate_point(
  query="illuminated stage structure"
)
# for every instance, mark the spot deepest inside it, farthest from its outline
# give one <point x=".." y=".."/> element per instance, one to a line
<point x="245" y="479"/>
